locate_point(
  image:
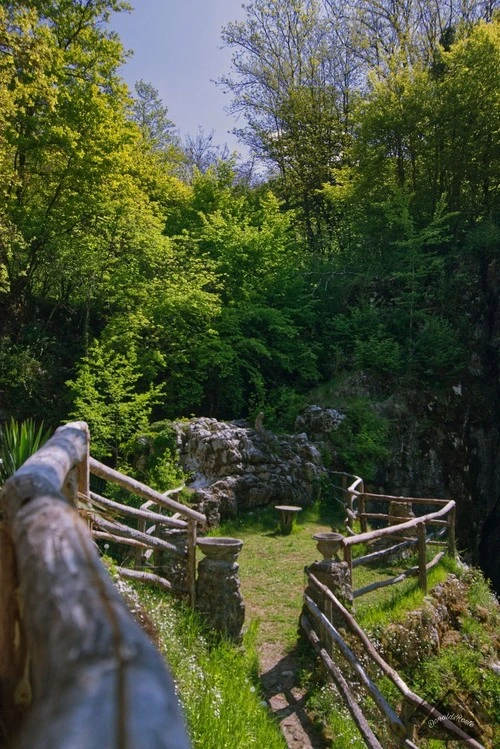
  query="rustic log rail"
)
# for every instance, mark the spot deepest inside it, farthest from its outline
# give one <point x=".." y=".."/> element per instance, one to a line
<point x="146" y="540"/>
<point x="70" y="651"/>
<point x="316" y="622"/>
<point x="400" y="528"/>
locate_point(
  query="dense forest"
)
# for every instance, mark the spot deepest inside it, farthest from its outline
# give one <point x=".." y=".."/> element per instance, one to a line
<point x="143" y="277"/>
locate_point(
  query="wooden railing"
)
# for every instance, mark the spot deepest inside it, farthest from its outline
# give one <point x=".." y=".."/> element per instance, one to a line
<point x="70" y="651"/>
<point x="146" y="540"/>
<point x="400" y="530"/>
<point x="317" y="623"/>
<point x="319" y="615"/>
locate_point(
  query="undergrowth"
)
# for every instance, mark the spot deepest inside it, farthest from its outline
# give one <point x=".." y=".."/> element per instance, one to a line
<point x="217" y="681"/>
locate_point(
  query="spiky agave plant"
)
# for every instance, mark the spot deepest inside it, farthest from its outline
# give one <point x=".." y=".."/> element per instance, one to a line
<point x="19" y="440"/>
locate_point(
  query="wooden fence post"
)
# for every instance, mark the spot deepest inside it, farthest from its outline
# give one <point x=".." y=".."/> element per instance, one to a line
<point x="348" y="559"/>
<point x="362" y="510"/>
<point x="452" y="548"/>
<point x="422" y="556"/>
<point x="83" y="469"/>
<point x="407" y="713"/>
<point x="349" y="518"/>
<point x="191" y="561"/>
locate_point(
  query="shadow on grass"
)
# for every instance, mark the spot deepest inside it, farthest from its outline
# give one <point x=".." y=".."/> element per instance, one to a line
<point x="282" y="690"/>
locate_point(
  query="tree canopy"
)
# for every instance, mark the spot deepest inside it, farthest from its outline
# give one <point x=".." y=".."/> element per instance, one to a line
<point x="142" y="278"/>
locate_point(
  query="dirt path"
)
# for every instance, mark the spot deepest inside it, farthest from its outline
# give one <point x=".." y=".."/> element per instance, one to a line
<point x="279" y="679"/>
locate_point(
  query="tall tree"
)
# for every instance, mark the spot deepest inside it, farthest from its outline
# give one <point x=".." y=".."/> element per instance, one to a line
<point x="152" y="117"/>
<point x="284" y="84"/>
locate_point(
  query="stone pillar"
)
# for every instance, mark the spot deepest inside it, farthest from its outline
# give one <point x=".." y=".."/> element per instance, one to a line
<point x="218" y="595"/>
<point x="171" y="565"/>
<point x="400" y="512"/>
<point x="333" y="573"/>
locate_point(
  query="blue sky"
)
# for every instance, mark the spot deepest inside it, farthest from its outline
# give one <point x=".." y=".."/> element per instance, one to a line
<point x="177" y="49"/>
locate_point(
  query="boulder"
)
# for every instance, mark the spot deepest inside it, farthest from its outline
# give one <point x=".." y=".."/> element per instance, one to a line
<point x="236" y="467"/>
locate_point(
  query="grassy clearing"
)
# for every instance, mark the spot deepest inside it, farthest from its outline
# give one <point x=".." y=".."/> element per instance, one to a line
<point x="272" y="571"/>
<point x="216" y="681"/>
<point x="272" y="567"/>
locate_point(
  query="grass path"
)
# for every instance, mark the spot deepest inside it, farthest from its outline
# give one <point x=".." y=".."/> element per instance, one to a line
<point x="272" y="583"/>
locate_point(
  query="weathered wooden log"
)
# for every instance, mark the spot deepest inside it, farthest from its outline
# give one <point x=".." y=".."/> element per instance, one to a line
<point x="141" y="490"/>
<point x="399" y="578"/>
<point x="191" y="561"/>
<point x="405" y="500"/>
<point x="118" y="529"/>
<point x="154" y="517"/>
<point x="48" y="468"/>
<point x="97" y="680"/>
<point x="395" y="724"/>
<point x="362" y="513"/>
<point x="452" y="547"/>
<point x="375" y="556"/>
<point x="145" y="577"/>
<point x="369" y="737"/>
<point x="410" y="524"/>
<point x="422" y="556"/>
<point x="396" y="679"/>
<point x="103" y="536"/>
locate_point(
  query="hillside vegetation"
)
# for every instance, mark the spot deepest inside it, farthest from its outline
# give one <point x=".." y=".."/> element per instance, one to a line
<point x="137" y="282"/>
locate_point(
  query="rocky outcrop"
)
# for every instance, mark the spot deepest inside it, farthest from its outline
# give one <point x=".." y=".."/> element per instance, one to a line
<point x="236" y="467"/>
<point x="318" y="422"/>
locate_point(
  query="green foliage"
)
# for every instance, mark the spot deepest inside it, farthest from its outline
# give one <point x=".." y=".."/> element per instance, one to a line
<point x="360" y="442"/>
<point x="372" y="249"/>
<point x="153" y="459"/>
<point x="17" y="442"/>
<point x="217" y="681"/>
<point x="106" y="395"/>
<point x="363" y="339"/>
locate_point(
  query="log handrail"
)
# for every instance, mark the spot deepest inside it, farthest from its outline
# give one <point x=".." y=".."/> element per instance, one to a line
<point x="142" y="490"/>
<point x="121" y="509"/>
<point x="74" y="650"/>
<point x="394" y="722"/>
<point x="395" y="529"/>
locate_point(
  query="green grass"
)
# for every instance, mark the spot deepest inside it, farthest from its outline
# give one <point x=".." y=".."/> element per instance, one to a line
<point x="272" y="566"/>
<point x="272" y="571"/>
<point x="392" y="603"/>
<point x="216" y="680"/>
<point x="218" y="683"/>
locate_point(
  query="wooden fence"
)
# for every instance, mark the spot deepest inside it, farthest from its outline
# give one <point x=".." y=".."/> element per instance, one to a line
<point x="75" y="667"/>
<point x="316" y="622"/>
<point x="319" y="614"/>
<point x="403" y="532"/>
<point x="146" y="540"/>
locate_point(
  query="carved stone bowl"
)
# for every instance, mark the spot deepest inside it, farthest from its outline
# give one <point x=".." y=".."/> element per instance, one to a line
<point x="328" y="544"/>
<point x="220" y="548"/>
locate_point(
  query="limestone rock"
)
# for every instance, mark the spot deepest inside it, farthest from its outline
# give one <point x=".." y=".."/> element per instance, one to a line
<point x="235" y="467"/>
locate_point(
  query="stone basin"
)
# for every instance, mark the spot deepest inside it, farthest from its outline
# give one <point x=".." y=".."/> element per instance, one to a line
<point x="220" y="548"/>
<point x="328" y="543"/>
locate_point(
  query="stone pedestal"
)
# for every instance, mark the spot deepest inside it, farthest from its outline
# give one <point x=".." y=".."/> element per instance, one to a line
<point x="328" y="544"/>
<point x="218" y="595"/>
<point x="332" y="573"/>
<point x="287" y="517"/>
<point x="171" y="565"/>
<point x="400" y="512"/>
<point x="335" y="576"/>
